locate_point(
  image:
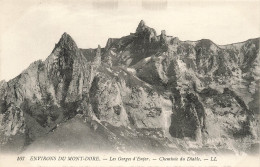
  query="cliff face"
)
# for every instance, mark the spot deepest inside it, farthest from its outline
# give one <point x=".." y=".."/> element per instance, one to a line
<point x="143" y="92"/>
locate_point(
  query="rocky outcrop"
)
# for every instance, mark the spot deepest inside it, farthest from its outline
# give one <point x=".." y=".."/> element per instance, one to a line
<point x="147" y="34"/>
<point x="178" y="95"/>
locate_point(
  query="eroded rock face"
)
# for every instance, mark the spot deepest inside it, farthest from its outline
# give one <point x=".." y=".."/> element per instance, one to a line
<point x="155" y="88"/>
<point x="13" y="121"/>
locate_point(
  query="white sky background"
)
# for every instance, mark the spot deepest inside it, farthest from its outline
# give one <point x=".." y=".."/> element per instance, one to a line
<point x="30" y="29"/>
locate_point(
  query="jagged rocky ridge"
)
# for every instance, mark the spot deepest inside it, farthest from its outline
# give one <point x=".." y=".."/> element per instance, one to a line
<point x="142" y="92"/>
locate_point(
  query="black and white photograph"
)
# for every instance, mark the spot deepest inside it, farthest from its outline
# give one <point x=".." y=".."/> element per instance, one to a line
<point x="129" y="83"/>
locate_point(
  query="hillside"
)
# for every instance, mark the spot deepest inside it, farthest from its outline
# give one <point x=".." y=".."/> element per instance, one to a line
<point x="142" y="92"/>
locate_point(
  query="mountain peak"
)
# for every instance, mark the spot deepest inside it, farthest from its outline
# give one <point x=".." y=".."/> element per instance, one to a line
<point x="66" y="36"/>
<point x="142" y="23"/>
<point x="67" y="41"/>
<point x="141" y="26"/>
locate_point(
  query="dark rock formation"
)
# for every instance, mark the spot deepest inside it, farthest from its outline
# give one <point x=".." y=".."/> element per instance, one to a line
<point x="143" y="91"/>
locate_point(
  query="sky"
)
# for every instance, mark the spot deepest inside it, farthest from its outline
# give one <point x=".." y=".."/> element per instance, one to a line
<point x="29" y="29"/>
